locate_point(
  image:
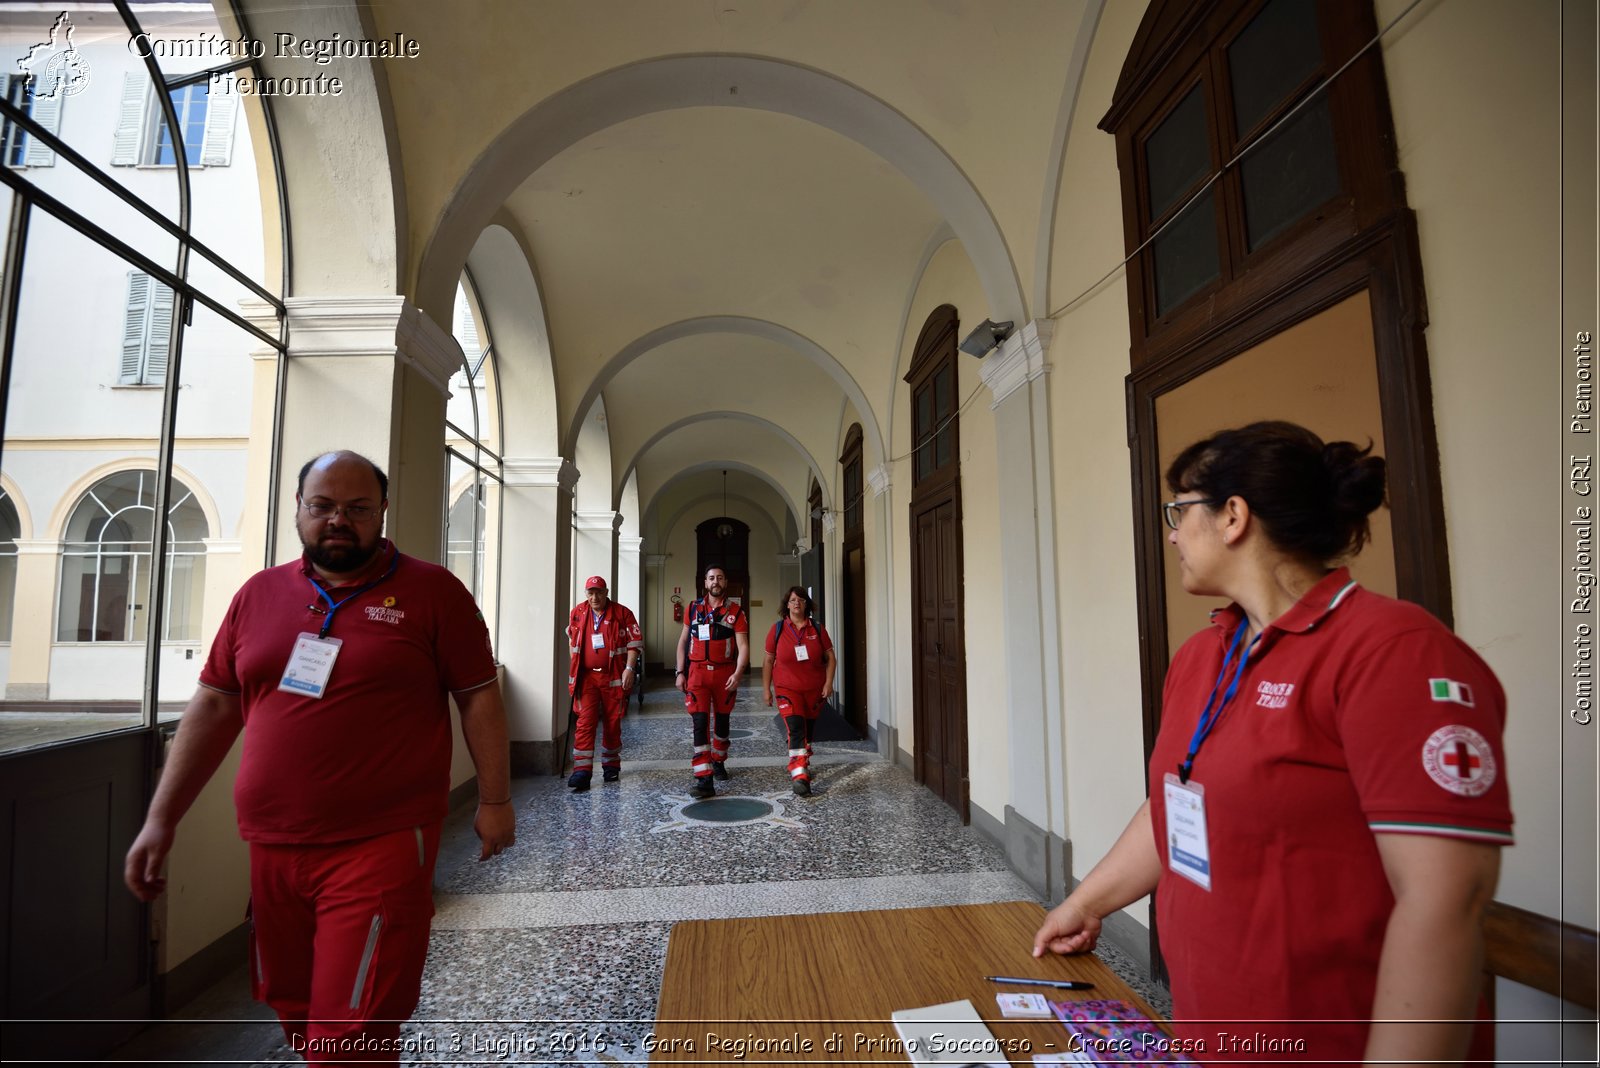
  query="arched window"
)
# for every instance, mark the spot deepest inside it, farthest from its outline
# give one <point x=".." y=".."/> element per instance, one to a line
<point x="466" y="535"/>
<point x="105" y="562"/>
<point x="472" y="456"/>
<point x="10" y="527"/>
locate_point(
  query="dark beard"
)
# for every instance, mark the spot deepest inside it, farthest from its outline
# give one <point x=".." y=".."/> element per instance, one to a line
<point x="342" y="558"/>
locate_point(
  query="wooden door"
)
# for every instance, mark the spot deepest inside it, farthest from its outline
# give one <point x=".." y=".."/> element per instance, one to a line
<point x="853" y="654"/>
<point x="940" y="680"/>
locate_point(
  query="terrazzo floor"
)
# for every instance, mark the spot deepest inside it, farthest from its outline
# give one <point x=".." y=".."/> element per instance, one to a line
<point x="554" y="952"/>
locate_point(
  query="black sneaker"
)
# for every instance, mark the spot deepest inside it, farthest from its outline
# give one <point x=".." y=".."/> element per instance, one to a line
<point x="611" y="774"/>
<point x="702" y="787"/>
<point x="802" y="788"/>
<point x="719" y="771"/>
<point x="580" y="781"/>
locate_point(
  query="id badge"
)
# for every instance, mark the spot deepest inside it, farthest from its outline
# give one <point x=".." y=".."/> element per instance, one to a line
<point x="801" y="652"/>
<point x="597" y="641"/>
<point x="1188" y="848"/>
<point x="309" y="665"/>
<point x="704" y="632"/>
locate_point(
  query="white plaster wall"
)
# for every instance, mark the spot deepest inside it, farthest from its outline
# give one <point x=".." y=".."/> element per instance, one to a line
<point x="950" y="279"/>
<point x="1102" y="736"/>
<point x="70" y="328"/>
<point x="1484" y="192"/>
<point x="115" y="671"/>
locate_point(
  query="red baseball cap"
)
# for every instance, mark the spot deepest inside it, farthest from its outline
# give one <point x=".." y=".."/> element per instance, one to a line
<point x="595" y="582"/>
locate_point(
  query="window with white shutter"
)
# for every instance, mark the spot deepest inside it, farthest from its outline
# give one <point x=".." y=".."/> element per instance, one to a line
<point x="146" y="332"/>
<point x="205" y="119"/>
<point x="218" y="148"/>
<point x="126" y="142"/>
<point x="17" y="147"/>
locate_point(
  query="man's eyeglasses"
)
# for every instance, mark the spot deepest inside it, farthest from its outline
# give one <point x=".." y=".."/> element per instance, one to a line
<point x="1172" y="511"/>
<point x="356" y="513"/>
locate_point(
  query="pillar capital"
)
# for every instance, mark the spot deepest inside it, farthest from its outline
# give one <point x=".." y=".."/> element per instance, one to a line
<point x="373" y="326"/>
<point x="1019" y="360"/>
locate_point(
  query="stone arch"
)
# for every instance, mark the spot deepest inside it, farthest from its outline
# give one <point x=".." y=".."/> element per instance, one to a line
<point x="714" y="501"/>
<point x="86" y="481"/>
<point x="24" y="514"/>
<point x="733" y="324"/>
<point x="700" y="417"/>
<point x="648" y="508"/>
<point x="508" y="287"/>
<point x="668" y="82"/>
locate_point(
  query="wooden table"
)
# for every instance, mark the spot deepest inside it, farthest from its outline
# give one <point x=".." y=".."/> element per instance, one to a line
<point x="778" y="982"/>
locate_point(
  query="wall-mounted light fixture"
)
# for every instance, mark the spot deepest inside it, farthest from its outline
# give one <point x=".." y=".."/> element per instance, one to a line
<point x="985" y="336"/>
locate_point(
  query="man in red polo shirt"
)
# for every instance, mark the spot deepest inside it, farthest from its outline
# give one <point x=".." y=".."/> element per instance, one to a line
<point x="338" y="668"/>
<point x="606" y="645"/>
<point x="713" y="651"/>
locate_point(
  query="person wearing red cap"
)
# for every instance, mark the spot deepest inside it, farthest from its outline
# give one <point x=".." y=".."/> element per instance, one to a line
<point x="606" y="645"/>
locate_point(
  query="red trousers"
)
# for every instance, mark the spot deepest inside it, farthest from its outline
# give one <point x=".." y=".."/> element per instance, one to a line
<point x="338" y="940"/>
<point x="707" y="694"/>
<point x="799" y="711"/>
<point x="599" y="704"/>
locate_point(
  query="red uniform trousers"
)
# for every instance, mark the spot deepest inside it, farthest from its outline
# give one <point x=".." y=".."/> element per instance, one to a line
<point x="799" y="710"/>
<point x="706" y="694"/>
<point x="338" y="937"/>
<point x="600" y="702"/>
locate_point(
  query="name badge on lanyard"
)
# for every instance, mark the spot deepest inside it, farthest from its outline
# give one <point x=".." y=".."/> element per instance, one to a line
<point x="703" y="631"/>
<point x="800" y="651"/>
<point x="310" y="665"/>
<point x="1188" y="846"/>
<point x="597" y="640"/>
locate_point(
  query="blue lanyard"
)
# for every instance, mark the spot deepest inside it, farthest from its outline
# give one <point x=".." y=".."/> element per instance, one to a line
<point x="1208" y="718"/>
<point x="598" y="617"/>
<point x="799" y="638"/>
<point x="334" y="606"/>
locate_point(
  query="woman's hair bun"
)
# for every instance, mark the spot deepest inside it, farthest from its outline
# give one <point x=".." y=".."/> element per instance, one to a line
<point x="1356" y="478"/>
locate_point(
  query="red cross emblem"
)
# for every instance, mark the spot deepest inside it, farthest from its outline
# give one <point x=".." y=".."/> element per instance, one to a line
<point x="1459" y="759"/>
<point x="1463" y="760"/>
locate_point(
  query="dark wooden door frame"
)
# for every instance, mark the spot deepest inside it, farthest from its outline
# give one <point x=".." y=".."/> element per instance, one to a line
<point x="853" y="616"/>
<point x="941" y="717"/>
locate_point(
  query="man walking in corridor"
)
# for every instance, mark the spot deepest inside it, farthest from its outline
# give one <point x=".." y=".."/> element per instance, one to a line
<point x="713" y="651"/>
<point x="338" y="668"/>
<point x="606" y="646"/>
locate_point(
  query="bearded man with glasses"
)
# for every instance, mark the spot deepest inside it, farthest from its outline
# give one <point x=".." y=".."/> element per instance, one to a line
<point x="338" y="669"/>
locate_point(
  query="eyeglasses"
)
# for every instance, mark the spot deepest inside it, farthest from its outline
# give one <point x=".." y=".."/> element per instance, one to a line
<point x="356" y="513"/>
<point x="1172" y="511"/>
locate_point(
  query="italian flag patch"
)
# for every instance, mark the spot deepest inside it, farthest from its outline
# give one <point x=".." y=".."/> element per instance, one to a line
<point x="1450" y="690"/>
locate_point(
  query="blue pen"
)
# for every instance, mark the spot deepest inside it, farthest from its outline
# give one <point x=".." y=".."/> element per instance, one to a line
<point x="1059" y="984"/>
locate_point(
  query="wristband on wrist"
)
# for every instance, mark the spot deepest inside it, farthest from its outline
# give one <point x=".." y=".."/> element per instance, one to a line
<point x="503" y="801"/>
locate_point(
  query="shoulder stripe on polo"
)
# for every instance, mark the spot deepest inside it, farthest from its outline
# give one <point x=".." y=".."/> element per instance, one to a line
<point x="1341" y="595"/>
<point x="1442" y="830"/>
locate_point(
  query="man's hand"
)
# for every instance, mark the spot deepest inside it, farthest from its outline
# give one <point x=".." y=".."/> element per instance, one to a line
<point x="766" y="695"/>
<point x="733" y="682"/>
<point x="628" y="675"/>
<point x="496" y="826"/>
<point x="142" y="870"/>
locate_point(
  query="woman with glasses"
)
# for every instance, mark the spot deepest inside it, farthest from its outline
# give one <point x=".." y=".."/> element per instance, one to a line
<point x="1327" y="790"/>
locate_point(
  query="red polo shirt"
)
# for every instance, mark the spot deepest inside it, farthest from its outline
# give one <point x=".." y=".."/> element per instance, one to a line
<point x="373" y="754"/>
<point x="789" y="672"/>
<point x="1356" y="715"/>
